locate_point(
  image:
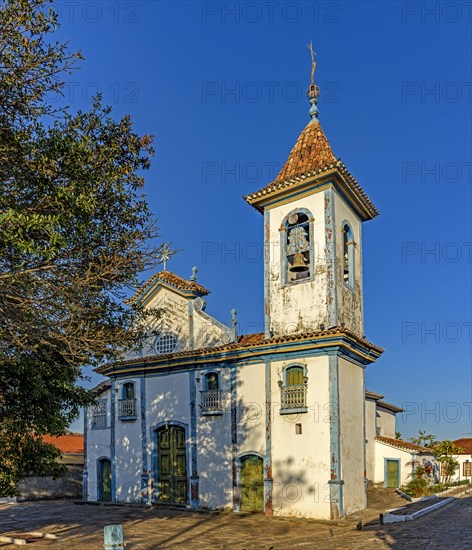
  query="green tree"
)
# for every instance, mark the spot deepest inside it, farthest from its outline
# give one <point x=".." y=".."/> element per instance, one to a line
<point x="75" y="230"/>
<point x="423" y="439"/>
<point x="445" y="451"/>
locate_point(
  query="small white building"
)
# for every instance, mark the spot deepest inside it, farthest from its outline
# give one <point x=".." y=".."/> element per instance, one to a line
<point x="464" y="470"/>
<point x="271" y="422"/>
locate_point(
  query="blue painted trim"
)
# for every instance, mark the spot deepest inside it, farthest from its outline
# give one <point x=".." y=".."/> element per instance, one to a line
<point x="313" y="186"/>
<point x="99" y="468"/>
<point x="155" y="458"/>
<point x="174" y="364"/>
<point x="85" y="472"/>
<point x="399" y="470"/>
<point x="267" y="252"/>
<point x="268" y="481"/>
<point x="336" y="490"/>
<point x="234" y="438"/>
<point x="330" y="239"/>
<point x="113" y="438"/>
<point x="194" y="489"/>
<point x="145" y="472"/>
<point x="191" y="325"/>
<point x="365" y="439"/>
<point x="283" y="248"/>
<point x="351" y="255"/>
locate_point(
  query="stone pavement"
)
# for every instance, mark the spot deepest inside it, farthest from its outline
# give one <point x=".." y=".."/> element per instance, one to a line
<point x="80" y="527"/>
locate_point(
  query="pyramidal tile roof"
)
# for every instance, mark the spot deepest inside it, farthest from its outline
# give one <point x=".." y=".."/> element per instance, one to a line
<point x="465" y="443"/>
<point x="312" y="158"/>
<point x="171" y="279"/>
<point x="312" y="151"/>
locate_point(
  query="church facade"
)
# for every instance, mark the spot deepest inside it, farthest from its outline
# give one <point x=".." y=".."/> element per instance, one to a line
<point x="272" y="422"/>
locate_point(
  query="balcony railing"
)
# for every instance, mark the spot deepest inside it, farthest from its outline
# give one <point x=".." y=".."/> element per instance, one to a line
<point x="293" y="399"/>
<point x="127" y="409"/>
<point x="210" y="402"/>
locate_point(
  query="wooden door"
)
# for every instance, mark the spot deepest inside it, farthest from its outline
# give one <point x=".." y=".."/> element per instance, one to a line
<point x="392" y="473"/>
<point x="104" y="480"/>
<point x="252" y="484"/>
<point x="172" y="464"/>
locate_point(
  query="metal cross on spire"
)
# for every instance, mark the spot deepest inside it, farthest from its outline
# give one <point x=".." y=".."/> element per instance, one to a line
<point x="165" y="255"/>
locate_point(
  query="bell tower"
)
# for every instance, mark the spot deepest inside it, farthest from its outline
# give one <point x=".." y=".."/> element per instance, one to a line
<point x="313" y="212"/>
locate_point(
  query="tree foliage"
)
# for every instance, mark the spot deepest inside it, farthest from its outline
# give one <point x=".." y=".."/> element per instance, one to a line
<point x="75" y="230"/>
<point x="445" y="451"/>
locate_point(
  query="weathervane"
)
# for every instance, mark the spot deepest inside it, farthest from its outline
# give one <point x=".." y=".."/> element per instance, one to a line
<point x="165" y="255"/>
<point x="313" y="91"/>
<point x="313" y="62"/>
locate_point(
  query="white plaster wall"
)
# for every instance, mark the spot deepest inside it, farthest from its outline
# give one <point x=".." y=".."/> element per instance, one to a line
<point x="386" y="422"/>
<point x="459" y="471"/>
<point x="167" y="400"/>
<point x="351" y="416"/>
<point x="207" y="332"/>
<point x="382" y="452"/>
<point x="98" y="446"/>
<point x="301" y="463"/>
<point x="214" y="459"/>
<point x="128" y="454"/>
<point x="370" y="433"/>
<point x="350" y="307"/>
<point x="298" y="307"/>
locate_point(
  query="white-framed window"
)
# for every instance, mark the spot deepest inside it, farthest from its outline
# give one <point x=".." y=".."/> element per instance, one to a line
<point x="165" y="343"/>
<point x="211" y="396"/>
<point x="99" y="415"/>
<point x="293" y="390"/>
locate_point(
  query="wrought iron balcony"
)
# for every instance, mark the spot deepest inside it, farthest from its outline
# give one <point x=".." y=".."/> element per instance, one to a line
<point x="293" y="399"/>
<point x="127" y="409"/>
<point x="210" y="402"/>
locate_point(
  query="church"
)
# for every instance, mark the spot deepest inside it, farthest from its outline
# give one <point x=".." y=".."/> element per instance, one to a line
<point x="274" y="422"/>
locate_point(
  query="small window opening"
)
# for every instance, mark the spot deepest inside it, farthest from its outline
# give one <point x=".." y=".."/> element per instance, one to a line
<point x="297" y="247"/>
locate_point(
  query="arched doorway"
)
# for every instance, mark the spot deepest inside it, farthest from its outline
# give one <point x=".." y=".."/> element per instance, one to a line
<point x="171" y="464"/>
<point x="252" y="483"/>
<point x="104" y="480"/>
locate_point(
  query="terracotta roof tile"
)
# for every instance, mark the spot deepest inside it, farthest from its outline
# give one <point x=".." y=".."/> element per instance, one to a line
<point x="464" y="443"/>
<point x="312" y="151"/>
<point x="400" y="444"/>
<point x="250" y="340"/>
<point x="310" y="158"/>
<point x="67" y="444"/>
<point x="171" y="279"/>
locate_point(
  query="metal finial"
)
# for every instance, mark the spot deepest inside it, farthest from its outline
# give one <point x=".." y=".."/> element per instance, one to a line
<point x="165" y="255"/>
<point x="313" y="91"/>
<point x="194" y="273"/>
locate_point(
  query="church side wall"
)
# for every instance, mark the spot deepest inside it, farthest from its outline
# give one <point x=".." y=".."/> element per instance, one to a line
<point x="386" y="421"/>
<point x="98" y="446"/>
<point x="370" y="433"/>
<point x="128" y="450"/>
<point x="297" y="307"/>
<point x="350" y="310"/>
<point x="351" y="416"/>
<point x="301" y="462"/>
<point x="214" y="458"/>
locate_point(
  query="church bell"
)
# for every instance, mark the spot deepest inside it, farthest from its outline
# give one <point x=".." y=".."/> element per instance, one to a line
<point x="299" y="264"/>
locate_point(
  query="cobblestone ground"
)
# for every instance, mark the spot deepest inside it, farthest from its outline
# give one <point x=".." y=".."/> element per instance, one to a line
<point x="81" y="527"/>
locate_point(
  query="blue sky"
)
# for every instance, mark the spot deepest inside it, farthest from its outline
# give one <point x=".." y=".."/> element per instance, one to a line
<point x="222" y="88"/>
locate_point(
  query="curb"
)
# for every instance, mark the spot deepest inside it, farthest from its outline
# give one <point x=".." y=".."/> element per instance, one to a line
<point x="392" y="518"/>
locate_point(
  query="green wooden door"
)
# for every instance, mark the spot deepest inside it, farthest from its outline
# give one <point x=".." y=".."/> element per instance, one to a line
<point x="392" y="473"/>
<point x="104" y="481"/>
<point x="252" y="484"/>
<point x="172" y="464"/>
